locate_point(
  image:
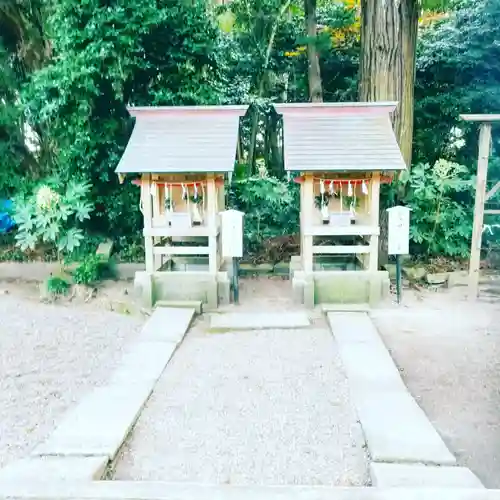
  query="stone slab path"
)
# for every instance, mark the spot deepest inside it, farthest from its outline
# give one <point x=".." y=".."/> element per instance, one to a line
<point x="448" y="353"/>
<point x="91" y="433"/>
<point x="267" y="407"/>
<point x="396" y="428"/>
<point x="262" y="321"/>
<point x="137" y="490"/>
<point x="422" y="476"/>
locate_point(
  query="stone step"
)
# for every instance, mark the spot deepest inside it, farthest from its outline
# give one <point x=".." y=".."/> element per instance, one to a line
<point x="55" y="469"/>
<point x="258" y="321"/>
<point x="396" y="428"/>
<point x="143" y="363"/>
<point x="326" y="308"/>
<point x="99" y="424"/>
<point x="137" y="490"/>
<point x="167" y="324"/>
<point x="197" y="305"/>
<point x="422" y="476"/>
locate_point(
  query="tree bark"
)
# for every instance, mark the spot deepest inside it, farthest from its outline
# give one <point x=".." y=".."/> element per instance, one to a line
<point x="314" y="71"/>
<point x="387" y="72"/>
<point x="387" y="69"/>
<point x="252" y="149"/>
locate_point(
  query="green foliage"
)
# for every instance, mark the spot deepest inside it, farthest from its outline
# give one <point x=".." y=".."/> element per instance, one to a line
<point x="92" y="270"/>
<point x="70" y="74"/>
<point x="271" y="208"/>
<point x="51" y="216"/>
<point x="107" y="55"/>
<point x="440" y="197"/>
<point x="56" y="285"/>
<point x="16" y="159"/>
<point x="131" y="249"/>
<point x="458" y="68"/>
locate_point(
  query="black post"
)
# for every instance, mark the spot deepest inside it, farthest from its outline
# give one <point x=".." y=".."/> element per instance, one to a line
<point x="236" y="283"/>
<point x="398" y="278"/>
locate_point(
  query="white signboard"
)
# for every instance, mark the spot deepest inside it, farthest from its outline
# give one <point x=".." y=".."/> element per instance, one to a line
<point x="399" y="230"/>
<point x="232" y="233"/>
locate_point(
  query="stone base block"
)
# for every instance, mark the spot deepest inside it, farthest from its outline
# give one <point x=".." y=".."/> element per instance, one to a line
<point x="30" y="470"/>
<point x="422" y="476"/>
<point x="231" y="322"/>
<point x="295" y="265"/>
<point x="340" y="287"/>
<point x="209" y="289"/>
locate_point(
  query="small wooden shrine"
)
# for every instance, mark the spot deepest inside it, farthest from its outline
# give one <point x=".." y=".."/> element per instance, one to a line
<point x="341" y="153"/>
<point x="178" y="156"/>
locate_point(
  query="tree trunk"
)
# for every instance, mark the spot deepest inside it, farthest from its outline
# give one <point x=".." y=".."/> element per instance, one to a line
<point x="387" y="69"/>
<point x="387" y="72"/>
<point x="314" y="71"/>
<point x="252" y="149"/>
<point x="274" y="159"/>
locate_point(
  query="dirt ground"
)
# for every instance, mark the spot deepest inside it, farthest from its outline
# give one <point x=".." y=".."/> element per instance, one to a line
<point x="448" y="352"/>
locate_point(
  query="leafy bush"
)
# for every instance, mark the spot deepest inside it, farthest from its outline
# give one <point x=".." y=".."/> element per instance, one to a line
<point x="57" y="285"/>
<point x="92" y="270"/>
<point x="271" y="208"/>
<point x="50" y="216"/>
<point x="441" y="201"/>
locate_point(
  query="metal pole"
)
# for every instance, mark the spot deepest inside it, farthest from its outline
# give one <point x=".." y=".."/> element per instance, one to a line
<point x="398" y="278"/>
<point x="236" y="282"/>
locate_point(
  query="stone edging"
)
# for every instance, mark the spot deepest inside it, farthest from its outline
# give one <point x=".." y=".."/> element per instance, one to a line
<point x="157" y="490"/>
<point x="401" y="439"/>
<point x="90" y="435"/>
<point x="39" y="271"/>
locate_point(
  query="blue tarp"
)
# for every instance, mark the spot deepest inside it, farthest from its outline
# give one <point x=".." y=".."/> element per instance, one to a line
<point x="6" y="221"/>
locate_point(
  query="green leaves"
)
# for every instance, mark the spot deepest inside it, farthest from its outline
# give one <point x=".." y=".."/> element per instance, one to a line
<point x="70" y="241"/>
<point x="52" y="217"/>
<point x="440" y="197"/>
<point x="108" y="55"/>
<point x="271" y="209"/>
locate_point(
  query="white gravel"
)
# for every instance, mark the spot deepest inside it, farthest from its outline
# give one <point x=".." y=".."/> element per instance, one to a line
<point x="50" y="357"/>
<point x="264" y="408"/>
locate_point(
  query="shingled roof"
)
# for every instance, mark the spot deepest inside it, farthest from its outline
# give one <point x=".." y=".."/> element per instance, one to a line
<point x="340" y="137"/>
<point x="182" y="139"/>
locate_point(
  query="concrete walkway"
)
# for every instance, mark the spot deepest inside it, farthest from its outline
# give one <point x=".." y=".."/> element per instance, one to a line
<point x="91" y="433"/>
<point x="264" y="407"/>
<point x="137" y="490"/>
<point x="405" y="448"/>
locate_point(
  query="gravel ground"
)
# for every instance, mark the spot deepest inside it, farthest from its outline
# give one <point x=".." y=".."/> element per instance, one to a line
<point x="448" y="351"/>
<point x="50" y="357"/>
<point x="265" y="408"/>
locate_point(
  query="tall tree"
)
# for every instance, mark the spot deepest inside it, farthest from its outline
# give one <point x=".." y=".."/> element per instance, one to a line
<point x="314" y="70"/>
<point x="22" y="33"/>
<point x="387" y="66"/>
<point x="389" y="31"/>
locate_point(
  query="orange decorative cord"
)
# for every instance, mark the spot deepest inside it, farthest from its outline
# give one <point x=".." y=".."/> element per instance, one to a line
<point x="327" y="182"/>
<point x="218" y="182"/>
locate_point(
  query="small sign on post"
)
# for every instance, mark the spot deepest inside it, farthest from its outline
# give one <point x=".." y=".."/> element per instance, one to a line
<point x="232" y="243"/>
<point x="399" y="239"/>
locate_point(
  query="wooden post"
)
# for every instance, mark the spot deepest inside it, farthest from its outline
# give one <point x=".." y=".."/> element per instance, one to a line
<point x="307" y="208"/>
<point x="477" y="230"/>
<point x="302" y="223"/>
<point x="374" y="220"/>
<point x="155" y="192"/>
<point x="212" y="223"/>
<point x="147" y="208"/>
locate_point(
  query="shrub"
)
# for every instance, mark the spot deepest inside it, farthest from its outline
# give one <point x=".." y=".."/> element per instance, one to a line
<point x="57" y="285"/>
<point x="92" y="270"/>
<point x="50" y="216"/>
<point x="271" y="208"/>
<point x="440" y="197"/>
